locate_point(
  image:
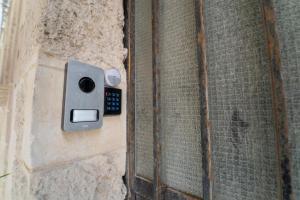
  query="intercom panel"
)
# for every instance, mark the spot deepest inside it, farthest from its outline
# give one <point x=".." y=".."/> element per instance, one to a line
<point x="83" y="97"/>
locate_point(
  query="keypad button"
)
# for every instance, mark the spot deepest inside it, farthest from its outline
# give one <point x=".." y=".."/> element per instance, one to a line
<point x="108" y="99"/>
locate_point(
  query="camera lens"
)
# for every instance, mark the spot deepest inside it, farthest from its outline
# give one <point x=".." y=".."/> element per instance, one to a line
<point x="86" y="84"/>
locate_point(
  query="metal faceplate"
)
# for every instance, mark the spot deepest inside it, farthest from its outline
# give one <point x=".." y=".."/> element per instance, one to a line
<point x="83" y="97"/>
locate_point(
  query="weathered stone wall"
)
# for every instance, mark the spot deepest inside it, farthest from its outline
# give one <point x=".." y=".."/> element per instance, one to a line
<point x="43" y="161"/>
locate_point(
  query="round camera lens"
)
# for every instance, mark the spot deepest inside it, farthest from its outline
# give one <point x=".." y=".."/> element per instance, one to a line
<point x="86" y="84"/>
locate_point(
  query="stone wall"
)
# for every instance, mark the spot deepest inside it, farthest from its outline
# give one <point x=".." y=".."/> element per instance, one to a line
<point x="43" y="161"/>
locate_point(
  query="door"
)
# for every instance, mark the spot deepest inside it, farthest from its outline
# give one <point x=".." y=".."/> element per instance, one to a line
<point x="206" y="109"/>
<point x="166" y="101"/>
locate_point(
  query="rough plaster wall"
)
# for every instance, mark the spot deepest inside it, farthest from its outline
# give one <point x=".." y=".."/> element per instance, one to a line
<point x="18" y="180"/>
<point x="3" y="119"/>
<point x="44" y="162"/>
<point x="20" y="184"/>
<point x="93" y="178"/>
<point x="86" y="29"/>
<point x="23" y="46"/>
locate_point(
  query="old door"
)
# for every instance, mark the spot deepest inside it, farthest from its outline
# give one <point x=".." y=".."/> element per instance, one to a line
<point x="207" y="116"/>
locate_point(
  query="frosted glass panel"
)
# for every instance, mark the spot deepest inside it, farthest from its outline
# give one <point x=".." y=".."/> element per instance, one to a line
<point x="180" y="113"/>
<point x="243" y="134"/>
<point x="288" y="24"/>
<point x="143" y="89"/>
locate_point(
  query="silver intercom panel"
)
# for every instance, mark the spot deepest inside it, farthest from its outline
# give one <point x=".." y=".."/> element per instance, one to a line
<point x="83" y="97"/>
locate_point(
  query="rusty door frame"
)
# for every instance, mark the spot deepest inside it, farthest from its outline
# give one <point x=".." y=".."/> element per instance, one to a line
<point x="278" y="101"/>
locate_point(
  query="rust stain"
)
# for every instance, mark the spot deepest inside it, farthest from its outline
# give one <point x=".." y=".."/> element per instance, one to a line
<point x="278" y="101"/>
<point x="204" y="107"/>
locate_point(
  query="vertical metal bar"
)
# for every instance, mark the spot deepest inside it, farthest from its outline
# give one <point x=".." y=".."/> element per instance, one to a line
<point x="157" y="189"/>
<point x="130" y="43"/>
<point x="204" y="108"/>
<point x="278" y="101"/>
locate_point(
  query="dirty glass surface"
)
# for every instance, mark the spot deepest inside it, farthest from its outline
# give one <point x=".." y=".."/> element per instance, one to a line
<point x="180" y="113"/>
<point x="240" y="106"/>
<point x="143" y="89"/>
<point x="288" y="29"/>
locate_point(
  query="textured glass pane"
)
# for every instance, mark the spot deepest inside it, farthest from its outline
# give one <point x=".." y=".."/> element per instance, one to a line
<point x="143" y="89"/>
<point x="240" y="104"/>
<point x="180" y="115"/>
<point x="288" y="24"/>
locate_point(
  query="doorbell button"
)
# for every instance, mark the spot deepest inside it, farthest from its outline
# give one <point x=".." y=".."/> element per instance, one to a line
<point x="84" y="116"/>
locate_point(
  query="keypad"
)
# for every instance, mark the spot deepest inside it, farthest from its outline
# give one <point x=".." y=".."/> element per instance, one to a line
<point x="112" y="101"/>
